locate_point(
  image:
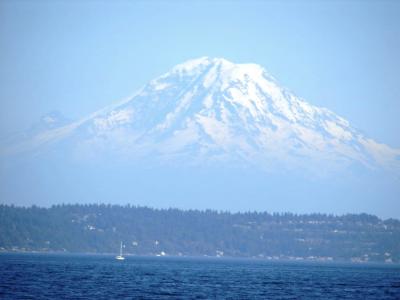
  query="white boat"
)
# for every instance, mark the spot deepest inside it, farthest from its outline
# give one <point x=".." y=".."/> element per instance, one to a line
<point x="120" y="256"/>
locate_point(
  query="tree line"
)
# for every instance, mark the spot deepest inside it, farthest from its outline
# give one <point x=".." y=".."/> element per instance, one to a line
<point x="99" y="228"/>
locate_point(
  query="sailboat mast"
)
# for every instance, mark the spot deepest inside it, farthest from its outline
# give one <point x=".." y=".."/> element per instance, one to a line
<point x="120" y="250"/>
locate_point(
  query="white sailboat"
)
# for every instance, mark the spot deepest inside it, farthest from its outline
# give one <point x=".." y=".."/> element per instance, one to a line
<point x="120" y="257"/>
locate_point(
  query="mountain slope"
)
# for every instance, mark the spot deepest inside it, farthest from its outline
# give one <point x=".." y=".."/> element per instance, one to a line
<point x="206" y="134"/>
<point x="211" y="110"/>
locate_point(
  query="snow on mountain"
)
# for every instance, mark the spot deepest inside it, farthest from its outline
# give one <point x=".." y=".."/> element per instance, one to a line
<point x="211" y="110"/>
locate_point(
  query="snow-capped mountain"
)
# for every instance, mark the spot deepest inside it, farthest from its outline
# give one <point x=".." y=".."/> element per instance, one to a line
<point x="210" y="110"/>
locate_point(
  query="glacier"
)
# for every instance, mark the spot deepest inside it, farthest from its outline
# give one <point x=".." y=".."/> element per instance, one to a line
<point x="210" y="110"/>
<point x="212" y="114"/>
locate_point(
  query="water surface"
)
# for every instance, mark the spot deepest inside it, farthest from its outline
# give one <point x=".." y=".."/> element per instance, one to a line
<point x="53" y="276"/>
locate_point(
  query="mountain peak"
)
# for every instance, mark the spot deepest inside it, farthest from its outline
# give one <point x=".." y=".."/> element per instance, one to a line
<point x="208" y="129"/>
<point x="200" y="64"/>
<point x="209" y="109"/>
<point x="223" y="65"/>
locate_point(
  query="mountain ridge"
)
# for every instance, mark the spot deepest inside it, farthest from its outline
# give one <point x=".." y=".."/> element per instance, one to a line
<point x="212" y="109"/>
<point x="206" y="134"/>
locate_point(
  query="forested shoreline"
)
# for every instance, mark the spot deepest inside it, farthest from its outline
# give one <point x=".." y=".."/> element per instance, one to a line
<point x="99" y="228"/>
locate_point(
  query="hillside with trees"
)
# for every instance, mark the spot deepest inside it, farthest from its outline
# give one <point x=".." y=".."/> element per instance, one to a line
<point x="173" y="232"/>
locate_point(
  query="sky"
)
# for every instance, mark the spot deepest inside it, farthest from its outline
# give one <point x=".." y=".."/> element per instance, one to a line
<point x="79" y="56"/>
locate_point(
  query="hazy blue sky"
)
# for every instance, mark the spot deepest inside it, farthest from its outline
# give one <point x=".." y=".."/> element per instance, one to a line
<point x="78" y="56"/>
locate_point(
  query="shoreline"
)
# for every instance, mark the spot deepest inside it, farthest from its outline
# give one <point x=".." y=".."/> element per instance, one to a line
<point x="276" y="259"/>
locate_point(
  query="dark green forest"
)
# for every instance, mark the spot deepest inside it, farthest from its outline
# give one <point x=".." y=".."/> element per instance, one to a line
<point x="173" y="232"/>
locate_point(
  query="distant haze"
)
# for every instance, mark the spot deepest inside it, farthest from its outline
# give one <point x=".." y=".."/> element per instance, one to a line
<point x="209" y="133"/>
<point x="326" y="142"/>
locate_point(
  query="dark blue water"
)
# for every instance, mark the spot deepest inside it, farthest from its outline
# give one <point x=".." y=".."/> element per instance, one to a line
<point x="40" y="276"/>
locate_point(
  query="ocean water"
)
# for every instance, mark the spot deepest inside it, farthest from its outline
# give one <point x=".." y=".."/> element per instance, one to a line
<point x="46" y="276"/>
